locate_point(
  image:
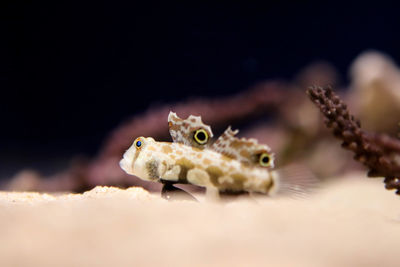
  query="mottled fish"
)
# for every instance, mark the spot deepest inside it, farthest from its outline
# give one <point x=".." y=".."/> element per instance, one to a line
<point x="228" y="164"/>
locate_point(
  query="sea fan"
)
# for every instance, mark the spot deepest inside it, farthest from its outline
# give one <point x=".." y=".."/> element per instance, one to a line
<point x="379" y="152"/>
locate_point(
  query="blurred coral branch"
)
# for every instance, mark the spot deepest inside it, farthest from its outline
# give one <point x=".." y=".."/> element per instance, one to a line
<point x="260" y="99"/>
<point x="264" y="98"/>
<point x="379" y="152"/>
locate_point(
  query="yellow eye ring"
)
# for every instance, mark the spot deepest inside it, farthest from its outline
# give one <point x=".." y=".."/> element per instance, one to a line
<point x="265" y="160"/>
<point x="200" y="136"/>
<point x="138" y="143"/>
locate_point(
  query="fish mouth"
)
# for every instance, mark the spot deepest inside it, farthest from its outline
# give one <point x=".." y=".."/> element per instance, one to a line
<point x="124" y="164"/>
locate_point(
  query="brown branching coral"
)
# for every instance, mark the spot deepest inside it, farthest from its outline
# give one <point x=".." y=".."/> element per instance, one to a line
<point x="379" y="152"/>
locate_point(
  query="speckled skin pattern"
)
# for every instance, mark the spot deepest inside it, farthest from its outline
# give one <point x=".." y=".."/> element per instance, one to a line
<point x="227" y="165"/>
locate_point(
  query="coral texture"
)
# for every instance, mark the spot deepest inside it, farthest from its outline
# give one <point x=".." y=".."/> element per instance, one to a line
<point x="379" y="152"/>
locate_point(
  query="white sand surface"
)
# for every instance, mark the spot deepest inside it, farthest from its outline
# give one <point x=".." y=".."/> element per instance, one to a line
<point x="352" y="222"/>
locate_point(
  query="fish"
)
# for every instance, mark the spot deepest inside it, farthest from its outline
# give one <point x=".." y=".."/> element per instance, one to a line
<point x="228" y="164"/>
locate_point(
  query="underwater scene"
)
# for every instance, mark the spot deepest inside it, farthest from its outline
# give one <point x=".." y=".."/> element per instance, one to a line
<point x="195" y="135"/>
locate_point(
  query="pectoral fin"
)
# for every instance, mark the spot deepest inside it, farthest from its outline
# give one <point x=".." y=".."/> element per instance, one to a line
<point x="294" y="180"/>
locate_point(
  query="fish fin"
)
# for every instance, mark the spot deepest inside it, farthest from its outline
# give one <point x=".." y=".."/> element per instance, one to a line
<point x="212" y="194"/>
<point x="244" y="150"/>
<point x="295" y="180"/>
<point x="191" y="131"/>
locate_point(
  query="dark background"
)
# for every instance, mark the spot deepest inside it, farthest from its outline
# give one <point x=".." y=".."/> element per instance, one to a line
<point x="71" y="72"/>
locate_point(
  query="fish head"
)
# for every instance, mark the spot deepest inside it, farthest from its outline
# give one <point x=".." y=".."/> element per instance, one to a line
<point x="139" y="159"/>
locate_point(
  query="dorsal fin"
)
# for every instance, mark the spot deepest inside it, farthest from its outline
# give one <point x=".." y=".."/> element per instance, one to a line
<point x="244" y="150"/>
<point x="189" y="131"/>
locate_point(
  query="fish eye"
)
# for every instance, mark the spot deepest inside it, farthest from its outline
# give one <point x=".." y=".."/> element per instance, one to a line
<point x="265" y="160"/>
<point x="138" y="143"/>
<point x="201" y="136"/>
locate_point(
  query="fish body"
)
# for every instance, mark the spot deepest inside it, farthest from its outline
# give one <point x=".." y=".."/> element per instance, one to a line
<point x="228" y="164"/>
<point x="179" y="163"/>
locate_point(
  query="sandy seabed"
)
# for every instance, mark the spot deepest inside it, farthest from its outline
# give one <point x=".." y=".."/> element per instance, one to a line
<point x="352" y="222"/>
